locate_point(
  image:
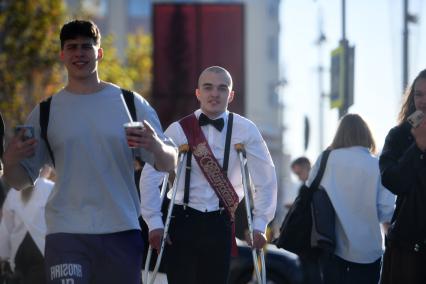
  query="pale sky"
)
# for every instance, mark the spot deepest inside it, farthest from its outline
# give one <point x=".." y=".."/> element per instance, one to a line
<point x="375" y="28"/>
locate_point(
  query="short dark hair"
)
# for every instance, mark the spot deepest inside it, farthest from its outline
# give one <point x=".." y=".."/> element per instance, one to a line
<point x="80" y="28"/>
<point x="301" y="161"/>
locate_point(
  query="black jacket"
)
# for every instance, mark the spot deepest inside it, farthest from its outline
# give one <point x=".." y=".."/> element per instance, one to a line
<point x="403" y="171"/>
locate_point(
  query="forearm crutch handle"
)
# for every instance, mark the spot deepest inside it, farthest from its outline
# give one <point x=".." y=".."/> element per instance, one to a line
<point x="183" y="150"/>
<point x="239" y="147"/>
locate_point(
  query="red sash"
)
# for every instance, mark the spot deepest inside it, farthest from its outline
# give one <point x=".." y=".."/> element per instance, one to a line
<point x="208" y="164"/>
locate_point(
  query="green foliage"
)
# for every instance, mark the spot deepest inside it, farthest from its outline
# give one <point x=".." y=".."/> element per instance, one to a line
<point x="139" y="61"/>
<point x="134" y="71"/>
<point x="29" y="48"/>
<point x="111" y="67"/>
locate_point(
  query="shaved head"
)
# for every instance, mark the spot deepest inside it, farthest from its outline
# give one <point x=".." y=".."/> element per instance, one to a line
<point x="217" y="70"/>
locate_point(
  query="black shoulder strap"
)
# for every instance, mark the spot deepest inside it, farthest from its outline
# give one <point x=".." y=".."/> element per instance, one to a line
<point x="44" y="123"/>
<point x="129" y="98"/>
<point x="2" y="128"/>
<point x="228" y="142"/>
<point x="321" y="170"/>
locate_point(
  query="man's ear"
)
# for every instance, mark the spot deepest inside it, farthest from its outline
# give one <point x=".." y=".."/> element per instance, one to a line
<point x="231" y="96"/>
<point x="197" y="93"/>
<point x="100" y="53"/>
<point x="61" y="55"/>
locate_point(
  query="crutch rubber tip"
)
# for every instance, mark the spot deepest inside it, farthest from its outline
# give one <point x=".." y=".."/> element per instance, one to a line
<point x="239" y="147"/>
<point x="183" y="148"/>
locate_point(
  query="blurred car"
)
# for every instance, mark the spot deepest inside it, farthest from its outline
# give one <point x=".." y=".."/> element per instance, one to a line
<point x="282" y="267"/>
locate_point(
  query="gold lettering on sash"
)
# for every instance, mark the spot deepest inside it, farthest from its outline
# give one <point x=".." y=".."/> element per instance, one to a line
<point x="214" y="174"/>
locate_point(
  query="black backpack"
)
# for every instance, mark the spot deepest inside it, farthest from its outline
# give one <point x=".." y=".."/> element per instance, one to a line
<point x="45" y="111"/>
<point x="309" y="223"/>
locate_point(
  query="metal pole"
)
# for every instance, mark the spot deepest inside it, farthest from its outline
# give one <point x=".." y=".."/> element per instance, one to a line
<point x="321" y="40"/>
<point x="344" y="109"/>
<point x="405" y="46"/>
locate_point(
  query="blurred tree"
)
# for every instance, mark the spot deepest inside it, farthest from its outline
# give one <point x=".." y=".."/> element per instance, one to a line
<point x="139" y="62"/>
<point x="111" y="68"/>
<point x="29" y="50"/>
<point x="135" y="73"/>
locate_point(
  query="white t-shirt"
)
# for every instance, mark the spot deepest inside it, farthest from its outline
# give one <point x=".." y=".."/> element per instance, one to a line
<point x="19" y="218"/>
<point x="95" y="191"/>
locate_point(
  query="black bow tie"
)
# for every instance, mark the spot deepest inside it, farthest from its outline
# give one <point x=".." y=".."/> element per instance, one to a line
<point x="217" y="123"/>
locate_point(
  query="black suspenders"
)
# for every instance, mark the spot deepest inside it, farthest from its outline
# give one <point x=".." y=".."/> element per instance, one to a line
<point x="225" y="160"/>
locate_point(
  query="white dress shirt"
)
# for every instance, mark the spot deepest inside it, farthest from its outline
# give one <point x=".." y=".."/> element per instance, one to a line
<point x="202" y="197"/>
<point x="19" y="218"/>
<point x="352" y="181"/>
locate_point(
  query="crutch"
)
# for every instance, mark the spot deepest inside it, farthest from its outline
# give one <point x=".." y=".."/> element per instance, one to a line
<point x="261" y="278"/>
<point x="183" y="149"/>
<point x="148" y="256"/>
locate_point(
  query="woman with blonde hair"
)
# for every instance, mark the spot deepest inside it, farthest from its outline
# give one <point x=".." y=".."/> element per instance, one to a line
<point x="352" y="181"/>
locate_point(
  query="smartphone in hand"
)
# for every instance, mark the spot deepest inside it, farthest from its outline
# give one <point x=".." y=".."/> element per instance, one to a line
<point x="29" y="131"/>
<point x="416" y="118"/>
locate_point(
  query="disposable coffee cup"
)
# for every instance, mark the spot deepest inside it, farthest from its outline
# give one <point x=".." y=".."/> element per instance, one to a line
<point x="28" y="133"/>
<point x="128" y="126"/>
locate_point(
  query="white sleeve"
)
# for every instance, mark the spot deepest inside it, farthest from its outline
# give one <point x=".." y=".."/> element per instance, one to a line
<point x="6" y="228"/>
<point x="150" y="185"/>
<point x="263" y="176"/>
<point x="385" y="204"/>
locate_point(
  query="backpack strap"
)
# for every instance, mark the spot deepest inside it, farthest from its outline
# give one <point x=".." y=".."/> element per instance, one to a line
<point x="321" y="170"/>
<point x="44" y="123"/>
<point x="129" y="98"/>
<point x="45" y="112"/>
<point x="2" y="128"/>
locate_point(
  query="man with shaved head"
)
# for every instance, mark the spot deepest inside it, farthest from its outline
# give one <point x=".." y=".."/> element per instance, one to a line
<point x="209" y="190"/>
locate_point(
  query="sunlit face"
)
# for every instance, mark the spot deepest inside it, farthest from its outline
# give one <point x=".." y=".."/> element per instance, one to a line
<point x="214" y="93"/>
<point x="80" y="56"/>
<point x="420" y="95"/>
<point x="301" y="172"/>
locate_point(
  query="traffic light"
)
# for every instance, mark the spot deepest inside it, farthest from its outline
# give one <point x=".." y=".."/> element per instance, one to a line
<point x="342" y="77"/>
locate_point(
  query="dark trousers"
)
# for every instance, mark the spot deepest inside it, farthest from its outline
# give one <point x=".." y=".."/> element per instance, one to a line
<point x="340" y="271"/>
<point x="310" y="261"/>
<point x="29" y="263"/>
<point x="403" y="265"/>
<point x="201" y="247"/>
<point x="114" y="258"/>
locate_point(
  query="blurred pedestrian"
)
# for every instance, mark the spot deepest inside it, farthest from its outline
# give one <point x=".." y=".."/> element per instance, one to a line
<point x="403" y="169"/>
<point x="23" y="230"/>
<point x="93" y="233"/>
<point x="210" y="188"/>
<point x="301" y="168"/>
<point x="352" y="182"/>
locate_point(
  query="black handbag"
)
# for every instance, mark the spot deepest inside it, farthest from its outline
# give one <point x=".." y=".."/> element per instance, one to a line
<point x="310" y="221"/>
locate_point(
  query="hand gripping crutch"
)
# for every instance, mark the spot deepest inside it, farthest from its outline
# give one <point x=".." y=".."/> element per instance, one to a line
<point x="183" y="149"/>
<point x="261" y="278"/>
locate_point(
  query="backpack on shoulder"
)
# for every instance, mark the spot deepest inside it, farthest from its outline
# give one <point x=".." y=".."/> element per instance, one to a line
<point x="310" y="221"/>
